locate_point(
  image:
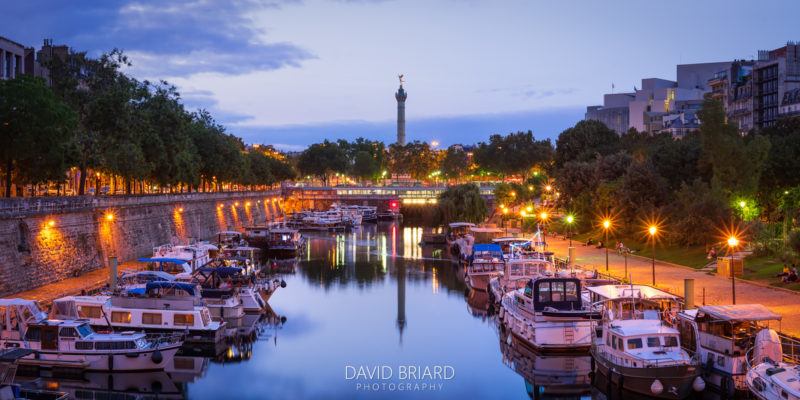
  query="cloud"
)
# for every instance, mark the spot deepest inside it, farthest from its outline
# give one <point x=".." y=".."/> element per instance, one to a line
<point x="528" y="91"/>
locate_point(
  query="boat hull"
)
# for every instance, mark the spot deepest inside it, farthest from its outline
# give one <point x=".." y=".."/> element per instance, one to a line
<point x="118" y="362"/>
<point x="676" y="380"/>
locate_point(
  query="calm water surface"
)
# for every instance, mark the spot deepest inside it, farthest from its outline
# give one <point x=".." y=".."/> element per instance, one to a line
<point x="372" y="297"/>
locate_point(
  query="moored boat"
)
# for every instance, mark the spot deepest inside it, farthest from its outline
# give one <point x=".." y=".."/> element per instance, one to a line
<point x="486" y="262"/>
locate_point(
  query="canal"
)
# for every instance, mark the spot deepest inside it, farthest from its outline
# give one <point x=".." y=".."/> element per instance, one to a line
<point x="365" y="314"/>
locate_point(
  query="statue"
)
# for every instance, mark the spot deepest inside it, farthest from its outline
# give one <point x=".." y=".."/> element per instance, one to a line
<point x="400" y="77"/>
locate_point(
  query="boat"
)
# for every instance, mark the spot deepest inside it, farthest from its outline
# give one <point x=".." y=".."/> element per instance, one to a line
<point x="485" y="263"/>
<point x="284" y="242"/>
<point x="245" y="257"/>
<point x="12" y="388"/>
<point x="548" y="315"/>
<point x="195" y="255"/>
<point x="226" y="239"/>
<point x="771" y="375"/>
<point x="516" y="274"/>
<point x="389" y="215"/>
<point x="640" y="352"/>
<point x="159" y="313"/>
<point x="231" y="280"/>
<point x="71" y="343"/>
<point x="459" y="240"/>
<point x="720" y="336"/>
<point x="171" y="266"/>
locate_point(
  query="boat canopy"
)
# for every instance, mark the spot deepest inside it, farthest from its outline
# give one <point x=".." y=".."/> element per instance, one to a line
<point x="488" y="247"/>
<point x="486" y="230"/>
<point x="223" y="272"/>
<point x="186" y="287"/>
<point x="460" y="224"/>
<point x="149" y="276"/>
<point x="610" y="292"/>
<point x="229" y="233"/>
<point x="160" y="260"/>
<point x="511" y="239"/>
<point x="740" y="312"/>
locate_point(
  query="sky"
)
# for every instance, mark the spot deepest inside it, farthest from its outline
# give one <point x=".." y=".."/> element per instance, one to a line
<point x="296" y="72"/>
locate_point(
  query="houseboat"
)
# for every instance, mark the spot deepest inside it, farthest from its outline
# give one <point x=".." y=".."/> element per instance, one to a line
<point x="164" y="314"/>
<point x="195" y="255"/>
<point x="640" y="352"/>
<point x="517" y="272"/>
<point x="284" y="242"/>
<point x="720" y="336"/>
<point x="71" y="343"/>
<point x="771" y="375"/>
<point x="548" y="315"/>
<point x="486" y="263"/>
<point x="459" y="240"/>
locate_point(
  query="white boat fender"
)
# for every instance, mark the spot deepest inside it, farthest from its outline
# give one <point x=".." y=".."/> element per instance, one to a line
<point x="699" y="384"/>
<point x="656" y="387"/>
<point x="157" y="357"/>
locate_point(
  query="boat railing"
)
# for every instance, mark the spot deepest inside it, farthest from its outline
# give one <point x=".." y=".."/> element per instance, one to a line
<point x="643" y="362"/>
<point x="164" y="339"/>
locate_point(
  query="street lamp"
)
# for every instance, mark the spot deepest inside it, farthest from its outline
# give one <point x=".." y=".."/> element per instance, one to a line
<point x="570" y="219"/>
<point x="606" y="225"/>
<point x="732" y="243"/>
<point x="522" y="224"/>
<point x="543" y="216"/>
<point x="653" y="231"/>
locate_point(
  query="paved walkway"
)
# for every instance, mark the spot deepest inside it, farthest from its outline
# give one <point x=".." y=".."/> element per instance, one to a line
<point x="89" y="282"/>
<point x="670" y="276"/>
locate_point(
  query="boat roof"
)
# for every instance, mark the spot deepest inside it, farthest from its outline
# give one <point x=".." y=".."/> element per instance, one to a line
<point x="637" y="327"/>
<point x="283" y="230"/>
<point x="486" y="230"/>
<point x="221" y="271"/>
<point x="154" y="275"/>
<point x="459" y="224"/>
<point x="229" y="233"/>
<point x="507" y="239"/>
<point x="611" y="292"/>
<point x="741" y="312"/>
<point x="487" y="247"/>
<point x="242" y="248"/>
<point x="16" y="301"/>
<point x="164" y="259"/>
<point x="190" y="288"/>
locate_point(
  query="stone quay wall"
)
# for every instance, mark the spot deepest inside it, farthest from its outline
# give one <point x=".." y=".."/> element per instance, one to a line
<point x="46" y="239"/>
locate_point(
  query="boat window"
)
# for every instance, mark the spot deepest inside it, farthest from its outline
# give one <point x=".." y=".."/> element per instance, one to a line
<point x="115" y="345"/>
<point x="49" y="335"/>
<point x="26" y="314"/>
<point x="14" y="318"/>
<point x="89" y="312"/>
<point x="608" y="340"/>
<point x="184" y="319"/>
<point x="84" y="330"/>
<point x="121" y="317"/>
<point x="544" y="292"/>
<point x="671" y="341"/>
<point x="81" y="345"/>
<point x="614" y="342"/>
<point x="151" y="318"/>
<point x="68" y="332"/>
<point x="206" y="317"/>
<point x="634" y="343"/>
<point x="34" y="334"/>
<point x="558" y="291"/>
<point x="2" y="318"/>
<point x="653" y="341"/>
<point x="572" y="291"/>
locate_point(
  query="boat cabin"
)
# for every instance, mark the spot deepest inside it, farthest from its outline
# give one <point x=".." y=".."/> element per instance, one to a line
<point x="458" y="229"/>
<point x="15" y="314"/>
<point x="556" y="293"/>
<point x="641" y="343"/>
<point x="634" y="301"/>
<point x="172" y="266"/>
<point x="725" y="329"/>
<point x="229" y="238"/>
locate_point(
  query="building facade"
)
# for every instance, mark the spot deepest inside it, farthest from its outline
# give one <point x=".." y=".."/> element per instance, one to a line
<point x="614" y="111"/>
<point x="12" y="59"/>
<point x="776" y="72"/>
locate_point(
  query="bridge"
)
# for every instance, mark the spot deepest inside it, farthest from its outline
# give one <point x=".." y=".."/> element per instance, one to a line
<point x="405" y="195"/>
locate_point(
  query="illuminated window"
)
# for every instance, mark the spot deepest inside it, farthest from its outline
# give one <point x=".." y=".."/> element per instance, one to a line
<point x="151" y="319"/>
<point x="121" y="317"/>
<point x="89" y="312"/>
<point x="184" y="319"/>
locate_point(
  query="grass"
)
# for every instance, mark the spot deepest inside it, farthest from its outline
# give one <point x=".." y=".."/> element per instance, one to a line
<point x="764" y="269"/>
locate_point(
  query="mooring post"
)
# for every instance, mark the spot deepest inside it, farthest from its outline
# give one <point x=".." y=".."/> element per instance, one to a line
<point x="112" y="266"/>
<point x="688" y="294"/>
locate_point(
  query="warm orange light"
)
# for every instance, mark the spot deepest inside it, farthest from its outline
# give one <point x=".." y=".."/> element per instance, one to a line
<point x="505" y="211"/>
<point x="502" y="206"/>
<point x="247" y="204"/>
<point x="529" y="208"/>
<point x="110" y="217"/>
<point x="733" y="242"/>
<point x="530" y="188"/>
<point x="180" y="209"/>
<point x="236" y="204"/>
<point x="51" y="223"/>
<point x="544" y="215"/>
<point x="652" y="230"/>
<point x="220" y="206"/>
<point x="548" y="188"/>
<point x="522" y="213"/>
<point x="513" y="193"/>
<point x="606" y="224"/>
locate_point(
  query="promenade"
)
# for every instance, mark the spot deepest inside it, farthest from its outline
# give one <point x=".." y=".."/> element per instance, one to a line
<point x="717" y="289"/>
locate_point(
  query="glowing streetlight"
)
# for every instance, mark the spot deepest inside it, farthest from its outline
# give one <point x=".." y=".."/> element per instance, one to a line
<point x="435" y="143"/>
<point x="247" y="204"/>
<point x="733" y="242"/>
<point x="528" y="208"/>
<point x="505" y="211"/>
<point x="180" y="209"/>
<point x="51" y="223"/>
<point x="522" y="213"/>
<point x="110" y="217"/>
<point x="548" y="188"/>
<point x="530" y="188"/>
<point x="742" y="204"/>
<point x="514" y="194"/>
<point x="652" y="230"/>
<point x="606" y="225"/>
<point x="570" y="220"/>
<point x="543" y="216"/>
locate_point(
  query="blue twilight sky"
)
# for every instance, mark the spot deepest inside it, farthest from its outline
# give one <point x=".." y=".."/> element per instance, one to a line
<point x="294" y="72"/>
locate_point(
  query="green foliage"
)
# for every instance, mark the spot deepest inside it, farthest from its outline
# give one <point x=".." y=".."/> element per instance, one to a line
<point x="794" y="241"/>
<point x="516" y="153"/>
<point x="584" y="142"/>
<point x="35" y="130"/>
<point x="461" y="203"/>
<point x="697" y="213"/>
<point x="455" y="163"/>
<point x="416" y="159"/>
<point x="366" y="158"/>
<point x="322" y="159"/>
<point x="783" y="162"/>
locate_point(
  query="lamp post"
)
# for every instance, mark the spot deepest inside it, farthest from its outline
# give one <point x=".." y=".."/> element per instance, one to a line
<point x="606" y="225"/>
<point x="543" y="216"/>
<point x="653" y="231"/>
<point x="570" y="219"/>
<point x="732" y="243"/>
<point x="522" y="222"/>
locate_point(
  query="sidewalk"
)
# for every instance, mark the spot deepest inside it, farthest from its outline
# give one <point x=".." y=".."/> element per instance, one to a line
<point x="717" y="289"/>
<point x="89" y="281"/>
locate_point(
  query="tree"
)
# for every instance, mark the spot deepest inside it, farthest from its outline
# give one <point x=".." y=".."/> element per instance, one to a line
<point x="322" y="159"/>
<point x="584" y="141"/>
<point x="783" y="162"/>
<point x="697" y="213"/>
<point x="455" y="163"/>
<point x="461" y="203"/>
<point x="678" y="161"/>
<point x="516" y="153"/>
<point x="415" y="158"/>
<point x="360" y="165"/>
<point x="365" y="166"/>
<point x="35" y="131"/>
<point x="574" y="178"/>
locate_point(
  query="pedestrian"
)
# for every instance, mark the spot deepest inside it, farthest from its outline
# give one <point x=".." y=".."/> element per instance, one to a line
<point x="785" y="271"/>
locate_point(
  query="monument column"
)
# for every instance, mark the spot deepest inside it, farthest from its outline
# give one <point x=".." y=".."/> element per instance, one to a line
<point x="401" y="113"/>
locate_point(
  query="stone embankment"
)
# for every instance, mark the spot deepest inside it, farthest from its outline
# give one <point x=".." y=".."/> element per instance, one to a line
<point x="44" y="240"/>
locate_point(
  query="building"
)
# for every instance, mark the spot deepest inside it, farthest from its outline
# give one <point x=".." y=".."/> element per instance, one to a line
<point x="43" y="56"/>
<point x="400" y="96"/>
<point x="733" y="87"/>
<point x="12" y="59"/>
<point x="613" y="112"/>
<point x="790" y="105"/>
<point x="775" y="73"/>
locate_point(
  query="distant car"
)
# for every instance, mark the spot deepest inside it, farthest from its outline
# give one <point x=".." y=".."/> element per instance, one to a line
<point x="90" y="191"/>
<point x="105" y="189"/>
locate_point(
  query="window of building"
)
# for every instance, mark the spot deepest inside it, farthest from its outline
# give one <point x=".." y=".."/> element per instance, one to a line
<point x="120" y="317"/>
<point x="184" y="319"/>
<point x="151" y="319"/>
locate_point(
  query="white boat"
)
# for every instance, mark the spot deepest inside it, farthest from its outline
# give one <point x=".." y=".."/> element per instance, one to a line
<point x="516" y="274"/>
<point x="195" y="255"/>
<point x="485" y="263"/>
<point x="284" y="242"/>
<point x="459" y="240"/>
<point x="720" y="337"/>
<point x="170" y="314"/>
<point x="640" y="352"/>
<point x="771" y="376"/>
<point x="548" y="315"/>
<point x="71" y="343"/>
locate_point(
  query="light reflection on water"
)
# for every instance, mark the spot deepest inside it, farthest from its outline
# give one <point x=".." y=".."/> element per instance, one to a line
<point x="371" y="297"/>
